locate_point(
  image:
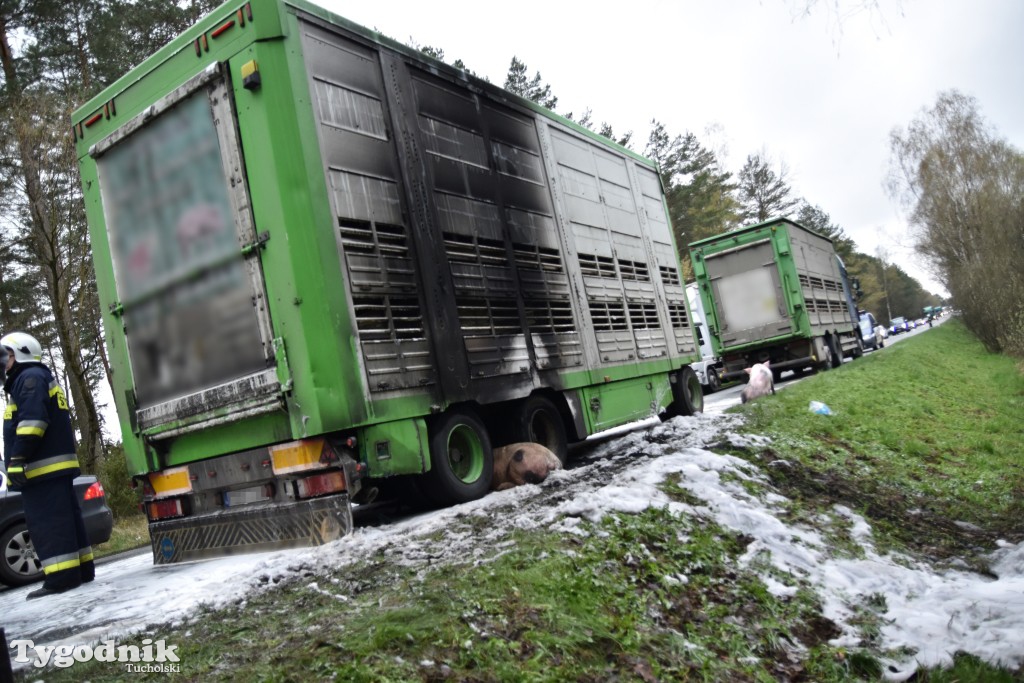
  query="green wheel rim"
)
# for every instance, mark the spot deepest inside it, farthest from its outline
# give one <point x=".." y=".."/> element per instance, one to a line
<point x="465" y="454"/>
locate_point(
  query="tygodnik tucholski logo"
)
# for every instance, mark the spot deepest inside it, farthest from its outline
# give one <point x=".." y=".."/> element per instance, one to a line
<point x="151" y="657"/>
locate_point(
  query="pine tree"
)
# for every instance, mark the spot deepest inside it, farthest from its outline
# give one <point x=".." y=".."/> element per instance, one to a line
<point x="815" y="218"/>
<point x="534" y="89"/>
<point x="698" y="191"/>
<point x="65" y="54"/>
<point x="763" y="193"/>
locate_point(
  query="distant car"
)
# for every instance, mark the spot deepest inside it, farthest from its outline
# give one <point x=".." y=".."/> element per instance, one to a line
<point x="870" y="338"/>
<point x="18" y="562"/>
<point x="898" y="326"/>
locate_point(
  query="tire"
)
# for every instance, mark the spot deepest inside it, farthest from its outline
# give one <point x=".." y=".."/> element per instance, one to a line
<point x="538" y="420"/>
<point x="18" y="562"/>
<point x="687" y="395"/>
<point x="714" y="381"/>
<point x="859" y="351"/>
<point x="461" y="459"/>
<point x="825" y="364"/>
<point x="837" y="352"/>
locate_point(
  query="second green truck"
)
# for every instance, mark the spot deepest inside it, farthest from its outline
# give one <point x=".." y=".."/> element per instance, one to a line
<point x="776" y="292"/>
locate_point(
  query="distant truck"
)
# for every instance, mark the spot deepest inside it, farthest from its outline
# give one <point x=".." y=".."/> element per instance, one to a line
<point x="709" y="367"/>
<point x="776" y="292"/>
<point x="327" y="260"/>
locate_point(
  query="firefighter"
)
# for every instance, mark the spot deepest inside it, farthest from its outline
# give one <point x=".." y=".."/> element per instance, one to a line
<point x="39" y="454"/>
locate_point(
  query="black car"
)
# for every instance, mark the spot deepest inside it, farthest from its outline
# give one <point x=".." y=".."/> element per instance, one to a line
<point x="18" y="562"/>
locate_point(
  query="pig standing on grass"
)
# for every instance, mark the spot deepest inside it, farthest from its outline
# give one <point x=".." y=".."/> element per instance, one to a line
<point x="759" y="384"/>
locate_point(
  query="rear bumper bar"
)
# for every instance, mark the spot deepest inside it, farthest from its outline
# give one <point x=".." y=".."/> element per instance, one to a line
<point x="252" y="529"/>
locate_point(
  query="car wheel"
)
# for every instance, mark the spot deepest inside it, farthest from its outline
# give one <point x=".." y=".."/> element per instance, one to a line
<point x="18" y="562"/>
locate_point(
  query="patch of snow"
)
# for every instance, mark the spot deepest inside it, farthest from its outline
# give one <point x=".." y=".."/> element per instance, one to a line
<point x="861" y="530"/>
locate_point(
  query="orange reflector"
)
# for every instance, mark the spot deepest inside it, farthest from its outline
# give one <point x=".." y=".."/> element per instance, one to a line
<point x="320" y="484"/>
<point x="297" y="456"/>
<point x="222" y="28"/>
<point x="171" y="482"/>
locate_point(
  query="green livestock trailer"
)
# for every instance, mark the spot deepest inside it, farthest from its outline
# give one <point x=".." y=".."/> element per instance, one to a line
<point x="326" y="259"/>
<point x="776" y="292"/>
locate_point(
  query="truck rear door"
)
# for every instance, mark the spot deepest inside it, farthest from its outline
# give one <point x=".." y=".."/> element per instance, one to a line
<point x="189" y="282"/>
<point x="748" y="294"/>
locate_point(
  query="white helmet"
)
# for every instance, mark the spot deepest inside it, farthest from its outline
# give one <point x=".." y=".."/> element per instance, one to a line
<point x="25" y="347"/>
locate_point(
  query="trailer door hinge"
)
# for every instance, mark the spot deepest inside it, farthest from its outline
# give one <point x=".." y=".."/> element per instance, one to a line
<point x="284" y="373"/>
<point x="260" y="243"/>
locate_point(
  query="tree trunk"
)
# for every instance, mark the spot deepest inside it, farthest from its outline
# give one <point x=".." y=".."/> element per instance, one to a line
<point x="44" y="247"/>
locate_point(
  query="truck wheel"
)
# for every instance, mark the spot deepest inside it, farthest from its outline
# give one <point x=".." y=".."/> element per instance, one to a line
<point x="461" y="460"/>
<point x="18" y="562"/>
<point x="837" y="351"/>
<point x="687" y="395"/>
<point x="537" y="420"/>
<point x="825" y="363"/>
<point x="714" y="381"/>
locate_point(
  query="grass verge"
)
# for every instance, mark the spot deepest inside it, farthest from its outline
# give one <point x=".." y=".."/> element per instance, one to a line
<point x="926" y="440"/>
<point x="129" y="532"/>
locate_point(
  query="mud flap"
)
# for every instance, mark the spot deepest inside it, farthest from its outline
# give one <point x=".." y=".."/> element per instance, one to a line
<point x="258" y="529"/>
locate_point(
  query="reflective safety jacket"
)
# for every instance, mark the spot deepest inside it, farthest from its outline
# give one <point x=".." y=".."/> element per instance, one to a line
<point x="37" y="424"/>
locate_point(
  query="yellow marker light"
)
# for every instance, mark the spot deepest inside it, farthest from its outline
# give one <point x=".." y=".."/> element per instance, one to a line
<point x="251" y="75"/>
<point x="173" y="481"/>
<point x="297" y="456"/>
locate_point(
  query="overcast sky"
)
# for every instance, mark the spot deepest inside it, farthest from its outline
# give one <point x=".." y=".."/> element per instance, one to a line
<point x="820" y="94"/>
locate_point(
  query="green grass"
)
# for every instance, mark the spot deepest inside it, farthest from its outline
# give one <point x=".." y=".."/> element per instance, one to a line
<point x="658" y="596"/>
<point x="924" y="435"/>
<point x="130" y="532"/>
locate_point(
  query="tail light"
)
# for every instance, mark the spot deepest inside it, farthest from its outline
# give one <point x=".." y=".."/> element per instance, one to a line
<point x="94" y="491"/>
<point x="162" y="509"/>
<point x="320" y="484"/>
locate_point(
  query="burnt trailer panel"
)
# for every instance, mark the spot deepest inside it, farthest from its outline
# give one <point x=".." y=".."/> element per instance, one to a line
<point x="326" y="259"/>
<point x="775" y="292"/>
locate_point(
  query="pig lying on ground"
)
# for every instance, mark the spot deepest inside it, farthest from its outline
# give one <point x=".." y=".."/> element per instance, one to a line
<point x="522" y="463"/>
<point x="759" y="384"/>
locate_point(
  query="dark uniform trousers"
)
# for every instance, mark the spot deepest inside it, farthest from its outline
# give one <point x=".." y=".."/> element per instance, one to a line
<point x="38" y="432"/>
<point x="63" y="549"/>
